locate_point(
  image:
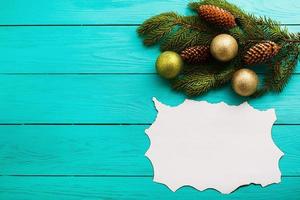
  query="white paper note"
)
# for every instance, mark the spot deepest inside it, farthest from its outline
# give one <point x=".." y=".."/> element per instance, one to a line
<point x="215" y="146"/>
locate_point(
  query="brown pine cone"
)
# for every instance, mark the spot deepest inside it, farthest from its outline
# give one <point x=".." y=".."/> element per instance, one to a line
<point x="261" y="53"/>
<point x="196" y="54"/>
<point x="217" y="16"/>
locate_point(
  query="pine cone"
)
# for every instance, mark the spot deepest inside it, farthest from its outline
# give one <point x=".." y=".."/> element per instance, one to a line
<point x="217" y="16"/>
<point x="196" y="54"/>
<point x="261" y="52"/>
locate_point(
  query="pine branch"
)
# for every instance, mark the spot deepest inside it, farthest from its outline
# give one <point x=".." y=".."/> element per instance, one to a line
<point x="282" y="68"/>
<point x="175" y="32"/>
<point x="195" y="83"/>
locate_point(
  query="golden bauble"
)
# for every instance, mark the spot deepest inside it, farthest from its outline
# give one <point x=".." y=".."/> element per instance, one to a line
<point x="245" y="82"/>
<point x="224" y="47"/>
<point x="169" y="64"/>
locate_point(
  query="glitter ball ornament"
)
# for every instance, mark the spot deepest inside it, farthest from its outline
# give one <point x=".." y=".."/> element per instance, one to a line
<point x="224" y="47"/>
<point x="169" y="64"/>
<point x="245" y="82"/>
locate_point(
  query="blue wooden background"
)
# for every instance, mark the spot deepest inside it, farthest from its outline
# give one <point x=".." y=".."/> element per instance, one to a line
<point x="75" y="97"/>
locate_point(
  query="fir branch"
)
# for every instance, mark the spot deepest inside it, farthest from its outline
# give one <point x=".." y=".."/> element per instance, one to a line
<point x="194" y="84"/>
<point x="282" y="68"/>
<point x="175" y="32"/>
<point x="199" y="82"/>
<point x="155" y="35"/>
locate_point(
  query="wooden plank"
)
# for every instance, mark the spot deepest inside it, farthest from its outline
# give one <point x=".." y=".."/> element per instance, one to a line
<point x="73" y="150"/>
<point x="76" y="50"/>
<point x="73" y="188"/>
<point x="127" y="11"/>
<point x="115" y="99"/>
<point x="102" y="150"/>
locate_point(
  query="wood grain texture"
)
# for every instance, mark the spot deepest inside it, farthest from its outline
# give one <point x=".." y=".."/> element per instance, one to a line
<point x="115" y="99"/>
<point x="102" y="150"/>
<point x="77" y="50"/>
<point x="125" y="11"/>
<point x="106" y="161"/>
<point x="68" y="188"/>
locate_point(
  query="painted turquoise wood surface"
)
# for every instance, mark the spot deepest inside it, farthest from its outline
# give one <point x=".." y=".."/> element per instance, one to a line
<point x="132" y="188"/>
<point x="124" y="11"/>
<point x="115" y="98"/>
<point x="108" y="49"/>
<point x="75" y="98"/>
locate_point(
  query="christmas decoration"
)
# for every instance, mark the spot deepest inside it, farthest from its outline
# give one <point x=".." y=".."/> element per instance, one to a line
<point x="261" y="53"/>
<point x="196" y="54"/>
<point x="169" y="64"/>
<point x="224" y="47"/>
<point x="249" y="40"/>
<point x="245" y="82"/>
<point x="217" y="16"/>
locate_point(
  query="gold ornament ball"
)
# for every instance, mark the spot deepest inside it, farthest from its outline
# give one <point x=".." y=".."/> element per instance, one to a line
<point x="224" y="47"/>
<point x="169" y="64"/>
<point x="245" y="82"/>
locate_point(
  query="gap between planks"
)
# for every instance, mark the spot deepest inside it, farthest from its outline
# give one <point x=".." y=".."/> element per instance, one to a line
<point x="13" y="25"/>
<point x="85" y="73"/>
<point x="102" y="124"/>
<point x="107" y="176"/>
<point x="82" y="175"/>
<point x="98" y="73"/>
